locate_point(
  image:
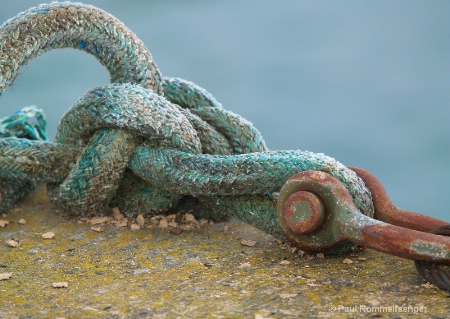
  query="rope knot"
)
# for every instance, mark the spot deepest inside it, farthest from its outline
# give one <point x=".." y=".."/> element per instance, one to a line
<point x="110" y="122"/>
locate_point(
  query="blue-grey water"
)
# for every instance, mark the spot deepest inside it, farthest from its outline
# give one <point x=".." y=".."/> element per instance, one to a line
<point x="366" y="82"/>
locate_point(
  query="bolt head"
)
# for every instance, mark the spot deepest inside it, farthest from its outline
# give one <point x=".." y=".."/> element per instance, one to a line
<point x="303" y="212"/>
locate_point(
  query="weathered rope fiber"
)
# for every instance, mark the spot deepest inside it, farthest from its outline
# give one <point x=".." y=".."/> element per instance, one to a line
<point x="144" y="143"/>
<point x="72" y="25"/>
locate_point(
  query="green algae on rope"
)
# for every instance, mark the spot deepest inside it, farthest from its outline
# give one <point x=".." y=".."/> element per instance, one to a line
<point x="144" y="143"/>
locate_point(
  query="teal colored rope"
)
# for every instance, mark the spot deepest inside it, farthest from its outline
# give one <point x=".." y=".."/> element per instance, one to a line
<point x="27" y="123"/>
<point x="143" y="143"/>
<point x="78" y="26"/>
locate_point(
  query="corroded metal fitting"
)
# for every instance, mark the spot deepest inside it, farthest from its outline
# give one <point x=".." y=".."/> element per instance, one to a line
<point x="316" y="213"/>
<point x="303" y="212"/>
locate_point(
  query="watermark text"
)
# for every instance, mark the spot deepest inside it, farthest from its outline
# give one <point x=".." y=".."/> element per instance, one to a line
<point x="378" y="309"/>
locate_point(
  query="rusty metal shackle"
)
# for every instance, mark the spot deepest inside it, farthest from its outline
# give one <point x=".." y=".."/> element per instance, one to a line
<point x="385" y="210"/>
<point x="317" y="214"/>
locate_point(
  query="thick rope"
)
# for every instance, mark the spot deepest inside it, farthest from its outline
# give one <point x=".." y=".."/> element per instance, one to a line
<point x="29" y="123"/>
<point x="143" y="143"/>
<point x="79" y="26"/>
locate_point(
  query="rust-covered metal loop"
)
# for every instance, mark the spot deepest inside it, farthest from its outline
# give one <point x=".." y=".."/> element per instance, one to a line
<point x="308" y="212"/>
<point x="435" y="273"/>
<point x="343" y="224"/>
<point x="387" y="212"/>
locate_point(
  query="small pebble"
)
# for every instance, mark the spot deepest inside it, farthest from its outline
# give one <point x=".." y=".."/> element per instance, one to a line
<point x="48" y="235"/>
<point x="173" y="224"/>
<point x="284" y="296"/>
<point x="428" y="285"/>
<point x="13" y="243"/>
<point x="98" y="229"/>
<point x="98" y="220"/>
<point x="22" y="221"/>
<point x="187" y="226"/>
<point x="122" y="223"/>
<point x="176" y="230"/>
<point x="117" y="214"/>
<point x="189" y="217"/>
<point x="163" y="223"/>
<point x="285" y="262"/>
<point x="3" y="222"/>
<point x="347" y="261"/>
<point x="135" y="227"/>
<point x="5" y="275"/>
<point x="247" y="242"/>
<point x="140" y="220"/>
<point x="62" y="284"/>
<point x="320" y="255"/>
<point x="171" y="217"/>
<point x="373" y="302"/>
<point x="312" y="283"/>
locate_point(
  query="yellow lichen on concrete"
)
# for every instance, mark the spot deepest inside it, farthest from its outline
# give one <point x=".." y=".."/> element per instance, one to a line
<point x="201" y="273"/>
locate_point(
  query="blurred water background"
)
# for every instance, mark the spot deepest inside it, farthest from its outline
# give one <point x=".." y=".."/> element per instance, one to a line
<point x="366" y="82"/>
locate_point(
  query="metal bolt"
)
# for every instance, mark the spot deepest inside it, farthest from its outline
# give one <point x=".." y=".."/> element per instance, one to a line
<point x="303" y="212"/>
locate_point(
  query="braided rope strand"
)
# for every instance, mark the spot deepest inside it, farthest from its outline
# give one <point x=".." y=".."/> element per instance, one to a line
<point x="78" y="26"/>
<point x="242" y="135"/>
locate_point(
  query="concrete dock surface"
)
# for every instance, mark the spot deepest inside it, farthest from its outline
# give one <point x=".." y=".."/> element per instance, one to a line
<point x="53" y="265"/>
